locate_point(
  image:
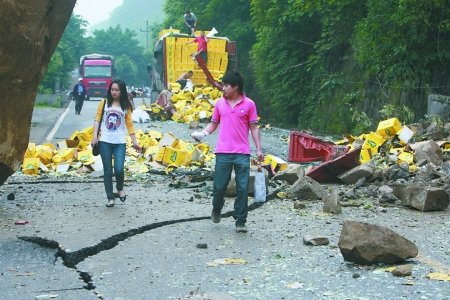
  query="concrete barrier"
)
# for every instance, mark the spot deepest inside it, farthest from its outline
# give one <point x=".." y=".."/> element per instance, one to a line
<point x="438" y="105"/>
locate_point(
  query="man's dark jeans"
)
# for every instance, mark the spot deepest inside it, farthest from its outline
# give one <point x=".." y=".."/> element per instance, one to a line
<point x="224" y="165"/>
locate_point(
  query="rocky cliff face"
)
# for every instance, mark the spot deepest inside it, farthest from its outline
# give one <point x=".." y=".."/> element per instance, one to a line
<point x="30" y="32"/>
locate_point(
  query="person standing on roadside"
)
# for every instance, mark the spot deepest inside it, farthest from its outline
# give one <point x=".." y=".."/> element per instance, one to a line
<point x="237" y="115"/>
<point x="117" y="112"/>
<point x="191" y="22"/>
<point x="79" y="93"/>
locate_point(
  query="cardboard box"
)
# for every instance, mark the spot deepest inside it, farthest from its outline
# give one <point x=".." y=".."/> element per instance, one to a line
<point x="64" y="155"/>
<point x="365" y="155"/>
<point x="276" y="163"/>
<point x="30" y="166"/>
<point x="168" y="139"/>
<point x="373" y="141"/>
<point x="407" y="157"/>
<point x="174" y="157"/>
<point x="388" y="128"/>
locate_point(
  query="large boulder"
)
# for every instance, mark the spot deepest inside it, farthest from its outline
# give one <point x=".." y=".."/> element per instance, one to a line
<point x="367" y="244"/>
<point x="30" y="32"/>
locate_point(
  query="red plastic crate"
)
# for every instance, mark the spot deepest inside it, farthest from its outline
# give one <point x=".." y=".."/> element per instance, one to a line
<point x="304" y="147"/>
<point x="329" y="171"/>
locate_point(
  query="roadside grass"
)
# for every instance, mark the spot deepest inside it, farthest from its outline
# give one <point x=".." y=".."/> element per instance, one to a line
<point x="46" y="103"/>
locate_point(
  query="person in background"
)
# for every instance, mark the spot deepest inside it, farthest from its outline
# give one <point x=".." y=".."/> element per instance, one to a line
<point x="236" y="115"/>
<point x="79" y="93"/>
<point x="191" y="22"/>
<point x="116" y="121"/>
<point x="202" y="48"/>
<point x="183" y="79"/>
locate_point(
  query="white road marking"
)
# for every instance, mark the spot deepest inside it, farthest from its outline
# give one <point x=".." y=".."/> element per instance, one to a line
<point x="58" y="123"/>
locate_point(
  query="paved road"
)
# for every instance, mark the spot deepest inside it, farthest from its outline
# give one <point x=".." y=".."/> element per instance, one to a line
<point x="161" y="244"/>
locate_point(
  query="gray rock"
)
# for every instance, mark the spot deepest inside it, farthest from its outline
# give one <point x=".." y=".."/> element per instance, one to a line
<point x="446" y="168"/>
<point x="299" y="205"/>
<point x="386" y="195"/>
<point x="306" y="188"/>
<point x="435" y="132"/>
<point x="331" y="203"/>
<point x="428" y="150"/>
<point x="422" y="198"/>
<point x="351" y="194"/>
<point x="396" y="172"/>
<point x="403" y="270"/>
<point x="353" y="175"/>
<point x="367" y="244"/>
<point x="291" y="174"/>
<point x="315" y="240"/>
<point x="360" y="182"/>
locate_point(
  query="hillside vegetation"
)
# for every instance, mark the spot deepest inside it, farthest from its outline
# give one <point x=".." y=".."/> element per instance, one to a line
<point x="333" y="65"/>
<point x="133" y="14"/>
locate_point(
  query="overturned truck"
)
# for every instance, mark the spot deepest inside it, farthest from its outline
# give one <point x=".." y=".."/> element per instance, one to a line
<point x="174" y="56"/>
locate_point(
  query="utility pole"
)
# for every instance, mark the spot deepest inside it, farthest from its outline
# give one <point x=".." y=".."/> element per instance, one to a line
<point x="146" y="31"/>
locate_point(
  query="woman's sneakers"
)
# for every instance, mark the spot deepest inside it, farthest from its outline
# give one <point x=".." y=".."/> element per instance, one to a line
<point x="110" y="203"/>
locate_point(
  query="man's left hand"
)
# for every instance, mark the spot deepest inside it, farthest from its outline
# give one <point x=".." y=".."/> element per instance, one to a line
<point x="260" y="155"/>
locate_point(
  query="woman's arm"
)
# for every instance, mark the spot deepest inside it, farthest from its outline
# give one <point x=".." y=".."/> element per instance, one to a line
<point x="131" y="131"/>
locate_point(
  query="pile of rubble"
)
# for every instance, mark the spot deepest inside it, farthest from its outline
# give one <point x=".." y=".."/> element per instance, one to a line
<point x="412" y="169"/>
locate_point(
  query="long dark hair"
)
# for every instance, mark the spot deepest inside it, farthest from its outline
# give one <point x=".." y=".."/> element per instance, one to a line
<point x="125" y="103"/>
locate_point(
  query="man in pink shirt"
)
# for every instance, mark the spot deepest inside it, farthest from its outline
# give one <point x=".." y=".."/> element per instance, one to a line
<point x="236" y="115"/>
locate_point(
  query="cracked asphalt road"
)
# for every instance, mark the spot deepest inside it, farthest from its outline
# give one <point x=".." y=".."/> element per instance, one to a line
<point x="73" y="247"/>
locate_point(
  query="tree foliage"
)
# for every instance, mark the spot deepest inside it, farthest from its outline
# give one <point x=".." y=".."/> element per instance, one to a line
<point x="334" y="66"/>
<point x="66" y="56"/>
<point x="344" y="59"/>
<point x="131" y="62"/>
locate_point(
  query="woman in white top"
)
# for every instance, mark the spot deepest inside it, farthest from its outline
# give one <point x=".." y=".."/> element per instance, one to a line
<point x="116" y="120"/>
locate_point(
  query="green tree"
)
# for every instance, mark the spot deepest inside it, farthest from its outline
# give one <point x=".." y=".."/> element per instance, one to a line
<point x="66" y="56"/>
<point x="126" y="69"/>
<point x="124" y="46"/>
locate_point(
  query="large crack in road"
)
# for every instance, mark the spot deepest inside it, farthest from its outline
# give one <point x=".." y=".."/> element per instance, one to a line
<point x="72" y="259"/>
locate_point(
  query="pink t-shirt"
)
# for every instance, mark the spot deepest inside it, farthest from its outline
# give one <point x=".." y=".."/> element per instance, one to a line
<point x="234" y="125"/>
<point x="202" y="43"/>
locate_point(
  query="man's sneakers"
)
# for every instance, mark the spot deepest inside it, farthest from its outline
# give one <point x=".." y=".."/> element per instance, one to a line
<point x="241" y="228"/>
<point x="216" y="217"/>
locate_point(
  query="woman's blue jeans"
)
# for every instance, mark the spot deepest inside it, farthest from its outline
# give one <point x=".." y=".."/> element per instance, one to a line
<point x="224" y="165"/>
<point x="107" y="151"/>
